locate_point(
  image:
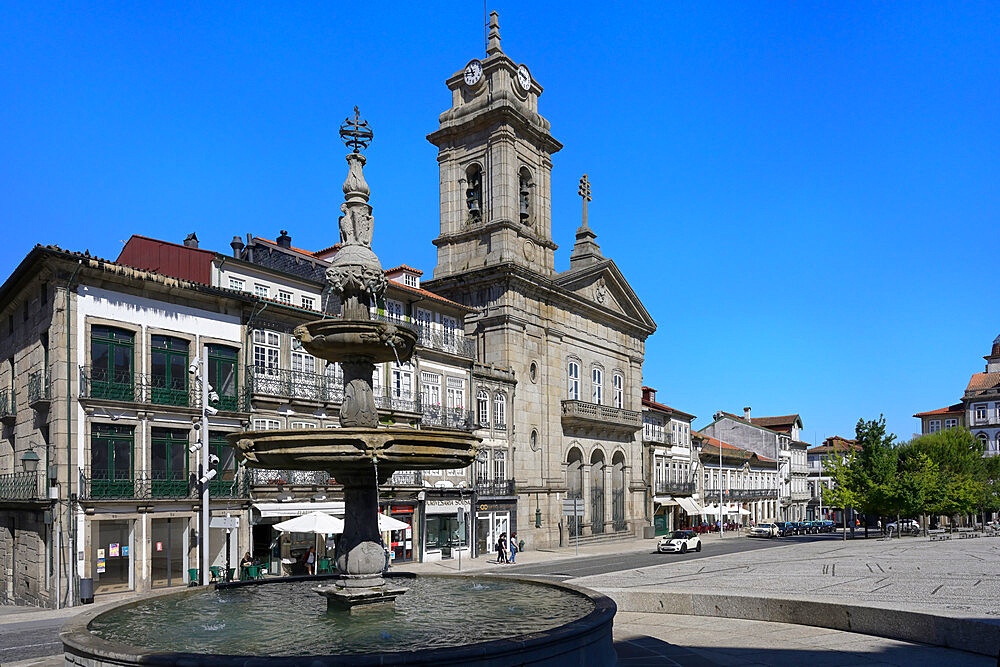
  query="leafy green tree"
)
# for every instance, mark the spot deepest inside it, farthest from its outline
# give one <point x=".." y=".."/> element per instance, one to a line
<point x="917" y="484"/>
<point x="961" y="468"/>
<point x="874" y="469"/>
<point x="837" y="465"/>
<point x="991" y="484"/>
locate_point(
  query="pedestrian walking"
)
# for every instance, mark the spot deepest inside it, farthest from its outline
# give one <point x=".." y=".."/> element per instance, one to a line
<point x="513" y="547"/>
<point x="502" y="549"/>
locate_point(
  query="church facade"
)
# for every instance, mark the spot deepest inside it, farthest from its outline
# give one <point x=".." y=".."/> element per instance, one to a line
<point x="573" y="341"/>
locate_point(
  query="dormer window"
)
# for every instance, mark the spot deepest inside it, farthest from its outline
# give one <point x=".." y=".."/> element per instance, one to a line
<point x="411" y="280"/>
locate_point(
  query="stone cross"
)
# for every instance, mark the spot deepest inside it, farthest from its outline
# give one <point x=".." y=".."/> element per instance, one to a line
<point x="585" y="194"/>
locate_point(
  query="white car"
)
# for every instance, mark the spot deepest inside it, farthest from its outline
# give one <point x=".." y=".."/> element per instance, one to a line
<point x="764" y="530"/>
<point x="681" y="541"/>
<point x="906" y="526"/>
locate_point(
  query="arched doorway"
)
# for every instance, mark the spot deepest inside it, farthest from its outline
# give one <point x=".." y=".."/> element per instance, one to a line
<point x="574" y="482"/>
<point x="618" y="492"/>
<point x="597" y="492"/>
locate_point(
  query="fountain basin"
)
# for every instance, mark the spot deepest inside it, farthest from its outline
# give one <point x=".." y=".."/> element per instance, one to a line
<point x="443" y="620"/>
<point x="350" y="450"/>
<point x="342" y="339"/>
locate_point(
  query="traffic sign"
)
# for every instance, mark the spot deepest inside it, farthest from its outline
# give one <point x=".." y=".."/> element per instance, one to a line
<point x="572" y="507"/>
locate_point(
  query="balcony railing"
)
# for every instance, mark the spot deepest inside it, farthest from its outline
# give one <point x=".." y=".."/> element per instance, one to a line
<point x="139" y="388"/>
<point x="452" y="343"/>
<point x="495" y="487"/>
<point x="20" y="486"/>
<point x="406" y="478"/>
<point x="801" y="495"/>
<point x="660" y="438"/>
<point x="741" y="494"/>
<point x="986" y="421"/>
<point x="800" y="469"/>
<point x="677" y="488"/>
<point x="582" y="413"/>
<point x="302" y="385"/>
<point x="155" y="485"/>
<point x="436" y="415"/>
<point x="268" y="477"/>
<point x="38" y="387"/>
<point x="8" y="402"/>
<point x="399" y="401"/>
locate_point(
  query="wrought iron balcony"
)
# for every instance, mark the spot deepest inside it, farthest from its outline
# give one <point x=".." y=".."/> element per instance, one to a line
<point x="741" y="494"/>
<point x="406" y="478"/>
<point x="659" y="438"/>
<point x="8" y="404"/>
<point x="38" y="388"/>
<point x="495" y="487"/>
<point x="301" y="385"/>
<point x="436" y="415"/>
<point x="156" y="485"/>
<point x="397" y="401"/>
<point x="801" y="495"/>
<point x="674" y="488"/>
<point x="100" y="384"/>
<point x="446" y="341"/>
<point x="21" y="486"/>
<point x="602" y="417"/>
<point x="268" y="477"/>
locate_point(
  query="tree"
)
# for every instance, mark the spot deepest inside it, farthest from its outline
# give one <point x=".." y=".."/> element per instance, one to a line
<point x="917" y="484"/>
<point x="837" y="466"/>
<point x="874" y="469"/>
<point x="962" y="471"/>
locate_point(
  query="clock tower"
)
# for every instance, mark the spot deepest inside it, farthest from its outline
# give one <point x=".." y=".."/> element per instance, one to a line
<point x="494" y="156"/>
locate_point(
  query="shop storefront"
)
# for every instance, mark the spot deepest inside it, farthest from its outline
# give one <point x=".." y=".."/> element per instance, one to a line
<point x="443" y="537"/>
<point x="664" y="515"/>
<point x="169" y="551"/>
<point x="283" y="553"/>
<point x="111" y="555"/>
<point x="400" y="542"/>
<point x="492" y="520"/>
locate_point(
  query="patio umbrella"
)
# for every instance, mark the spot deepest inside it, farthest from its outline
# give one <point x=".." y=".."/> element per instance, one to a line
<point x="711" y="510"/>
<point x="387" y="523"/>
<point x="314" y="522"/>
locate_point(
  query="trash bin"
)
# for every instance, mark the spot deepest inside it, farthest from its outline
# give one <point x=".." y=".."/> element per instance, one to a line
<point x="648" y="532"/>
<point x="87" y="591"/>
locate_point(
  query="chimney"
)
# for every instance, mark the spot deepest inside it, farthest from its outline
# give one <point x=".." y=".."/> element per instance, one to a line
<point x="284" y="240"/>
<point x="648" y="394"/>
<point x="746" y="413"/>
<point x="237" y="245"/>
<point x="191" y="241"/>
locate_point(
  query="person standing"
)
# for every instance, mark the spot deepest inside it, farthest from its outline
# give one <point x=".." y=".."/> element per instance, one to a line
<point x="513" y="547"/>
<point x="502" y="549"/>
<point x="311" y="560"/>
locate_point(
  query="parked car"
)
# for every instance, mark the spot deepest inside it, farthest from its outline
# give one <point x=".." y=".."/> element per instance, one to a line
<point x="681" y="541"/>
<point x="829" y="526"/>
<point x="906" y="526"/>
<point x="764" y="530"/>
<point x="815" y="527"/>
<point x="785" y="528"/>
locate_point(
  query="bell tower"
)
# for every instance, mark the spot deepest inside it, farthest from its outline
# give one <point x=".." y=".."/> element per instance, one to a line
<point x="495" y="160"/>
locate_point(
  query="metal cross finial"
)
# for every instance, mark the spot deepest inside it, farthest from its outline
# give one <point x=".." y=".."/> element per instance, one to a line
<point x="585" y="194"/>
<point x="355" y="132"/>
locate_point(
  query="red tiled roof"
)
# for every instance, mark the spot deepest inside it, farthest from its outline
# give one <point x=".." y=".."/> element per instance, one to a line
<point x="431" y="295"/>
<point x="770" y="422"/>
<point x="983" y="381"/>
<point x="404" y="267"/>
<point x="732" y="449"/>
<point x="661" y="406"/>
<point x="957" y="408"/>
<point x="335" y="246"/>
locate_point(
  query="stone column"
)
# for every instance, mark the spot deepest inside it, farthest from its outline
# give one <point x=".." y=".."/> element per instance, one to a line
<point x="360" y="555"/>
<point x="585" y="492"/>
<point x="358" y="407"/>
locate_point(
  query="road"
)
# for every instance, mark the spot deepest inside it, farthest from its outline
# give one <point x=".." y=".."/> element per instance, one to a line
<point x="571" y="568"/>
<point x="30" y="639"/>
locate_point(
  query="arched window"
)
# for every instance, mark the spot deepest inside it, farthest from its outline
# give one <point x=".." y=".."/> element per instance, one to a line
<point x="984" y="439"/>
<point x="997" y="448"/>
<point x="618" y="382"/>
<point x="573" y="372"/>
<point x="499" y="411"/>
<point x="483" y="407"/>
<point x="597" y="382"/>
<point x="474" y="193"/>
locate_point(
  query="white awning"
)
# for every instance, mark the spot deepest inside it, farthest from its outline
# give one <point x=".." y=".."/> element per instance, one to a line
<point x="270" y="510"/>
<point x="689" y="506"/>
<point x="664" y="500"/>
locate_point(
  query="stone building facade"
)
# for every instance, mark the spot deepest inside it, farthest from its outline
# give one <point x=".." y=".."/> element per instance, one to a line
<point x="573" y="340"/>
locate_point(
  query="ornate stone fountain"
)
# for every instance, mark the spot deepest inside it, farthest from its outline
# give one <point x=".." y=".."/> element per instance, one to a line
<point x="361" y="454"/>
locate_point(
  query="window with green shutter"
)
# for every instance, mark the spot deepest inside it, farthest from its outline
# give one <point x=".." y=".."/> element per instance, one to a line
<point x="168" y="370"/>
<point x="169" y="463"/>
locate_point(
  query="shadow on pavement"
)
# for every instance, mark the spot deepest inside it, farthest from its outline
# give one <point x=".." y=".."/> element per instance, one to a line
<point x="645" y="650"/>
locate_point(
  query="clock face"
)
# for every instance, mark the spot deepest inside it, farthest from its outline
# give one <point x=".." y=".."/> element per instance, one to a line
<point x="473" y="73"/>
<point x="524" y="77"/>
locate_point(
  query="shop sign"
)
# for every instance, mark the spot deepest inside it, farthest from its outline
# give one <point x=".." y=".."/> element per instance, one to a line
<point x="113" y="550"/>
<point x="401" y="509"/>
<point x="159" y="546"/>
<point x="100" y="565"/>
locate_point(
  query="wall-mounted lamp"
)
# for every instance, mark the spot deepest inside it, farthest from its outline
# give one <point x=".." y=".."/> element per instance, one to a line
<point x="30" y="461"/>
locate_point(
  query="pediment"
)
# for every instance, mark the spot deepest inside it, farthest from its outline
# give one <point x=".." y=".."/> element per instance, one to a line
<point x="603" y="284"/>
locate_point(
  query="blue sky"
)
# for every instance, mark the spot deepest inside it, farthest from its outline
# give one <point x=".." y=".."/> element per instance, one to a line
<point x="804" y="195"/>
